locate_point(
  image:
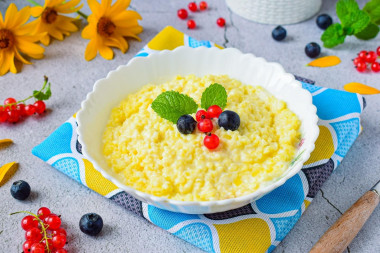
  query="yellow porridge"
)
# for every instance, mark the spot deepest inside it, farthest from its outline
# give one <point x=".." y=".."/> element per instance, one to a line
<point x="149" y="154"/>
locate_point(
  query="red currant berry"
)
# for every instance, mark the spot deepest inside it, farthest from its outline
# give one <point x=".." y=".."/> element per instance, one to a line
<point x="59" y="241"/>
<point x="201" y="115"/>
<point x="371" y="57"/>
<point x="30" y="110"/>
<point x="29" y="222"/>
<point x="375" y="67"/>
<point x="214" y="111"/>
<point x="53" y="221"/>
<point x="357" y="60"/>
<point x="26" y="246"/>
<point x="33" y="234"/>
<point x="59" y="251"/>
<point x="21" y="109"/>
<point x="40" y="106"/>
<point x="362" y="55"/>
<point x="37" y="248"/>
<point x="13" y="114"/>
<point x="9" y="101"/>
<point x="205" y="125"/>
<point x="378" y="51"/>
<point x="3" y="115"/>
<point x="361" y="66"/>
<point x="203" y="5"/>
<point x="211" y="141"/>
<point x="220" y="22"/>
<point x="193" y="6"/>
<point x="43" y="212"/>
<point x="191" y="24"/>
<point x="50" y="243"/>
<point x="182" y="13"/>
<point x="59" y="231"/>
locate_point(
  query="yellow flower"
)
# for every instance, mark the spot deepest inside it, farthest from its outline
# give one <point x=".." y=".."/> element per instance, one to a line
<point x="51" y="22"/>
<point x="16" y="38"/>
<point x="108" y="26"/>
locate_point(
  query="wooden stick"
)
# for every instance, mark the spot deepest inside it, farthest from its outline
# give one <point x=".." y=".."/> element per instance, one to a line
<point x="339" y="236"/>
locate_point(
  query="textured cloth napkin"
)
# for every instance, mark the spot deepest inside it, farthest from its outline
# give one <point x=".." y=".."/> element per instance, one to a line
<point x="257" y="227"/>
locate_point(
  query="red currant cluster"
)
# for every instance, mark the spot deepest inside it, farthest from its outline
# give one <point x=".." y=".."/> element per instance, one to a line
<point x="43" y="232"/>
<point x="14" y="111"/>
<point x="366" y="59"/>
<point x="205" y="125"/>
<point x="182" y="14"/>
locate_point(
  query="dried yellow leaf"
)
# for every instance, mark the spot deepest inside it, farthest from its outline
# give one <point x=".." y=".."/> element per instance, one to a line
<point x="3" y="141"/>
<point x="326" y="61"/>
<point x="361" y="88"/>
<point x="7" y="171"/>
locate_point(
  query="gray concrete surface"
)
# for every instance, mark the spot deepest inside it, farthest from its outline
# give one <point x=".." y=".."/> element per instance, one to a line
<point x="72" y="78"/>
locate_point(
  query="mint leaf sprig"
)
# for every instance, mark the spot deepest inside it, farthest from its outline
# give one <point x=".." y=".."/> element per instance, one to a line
<point x="363" y="24"/>
<point x="171" y="105"/>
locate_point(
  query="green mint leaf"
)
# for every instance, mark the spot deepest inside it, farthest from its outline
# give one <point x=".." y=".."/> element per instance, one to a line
<point x="171" y="105"/>
<point x="333" y="36"/>
<point x="369" y="32"/>
<point x="43" y="94"/>
<point x="215" y="94"/>
<point x="373" y="10"/>
<point x="352" y="18"/>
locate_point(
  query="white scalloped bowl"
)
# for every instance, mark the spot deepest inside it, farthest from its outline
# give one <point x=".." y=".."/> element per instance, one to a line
<point x="163" y="66"/>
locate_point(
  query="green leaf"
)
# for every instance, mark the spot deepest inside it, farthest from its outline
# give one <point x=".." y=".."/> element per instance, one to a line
<point x="333" y="36"/>
<point x="43" y="94"/>
<point x="171" y="105"/>
<point x="369" y="32"/>
<point x="373" y="10"/>
<point x="215" y="94"/>
<point x="351" y="17"/>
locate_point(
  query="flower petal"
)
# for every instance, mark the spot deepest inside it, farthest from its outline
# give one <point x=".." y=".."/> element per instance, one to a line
<point x="5" y="63"/>
<point x="106" y="52"/>
<point x="119" y="6"/>
<point x="89" y="31"/>
<point x="64" y="24"/>
<point x="70" y="10"/>
<point x="94" y="6"/>
<point x="45" y="40"/>
<point x="10" y="15"/>
<point x="118" y="42"/>
<point x="36" y="11"/>
<point x="68" y="7"/>
<point x="1" y="21"/>
<point x="91" y="50"/>
<point x="20" y="18"/>
<point x="13" y="68"/>
<point x="28" y="47"/>
<point x="20" y="58"/>
<point x="55" y="33"/>
<point x="126" y="15"/>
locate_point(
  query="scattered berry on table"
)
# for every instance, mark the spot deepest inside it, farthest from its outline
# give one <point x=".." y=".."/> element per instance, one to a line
<point x="182" y="13"/>
<point x="9" y="101"/>
<point x="375" y="67"/>
<point x="33" y="234"/>
<point x="53" y="221"/>
<point x="3" y="115"/>
<point x="39" y="106"/>
<point x="43" y="212"/>
<point x="192" y="6"/>
<point x="91" y="224"/>
<point x="205" y="125"/>
<point x="191" y="24"/>
<point x="378" y="51"/>
<point x="361" y="66"/>
<point x="371" y="57"/>
<point x="312" y="49"/>
<point x="324" y="21"/>
<point x="229" y="120"/>
<point x="279" y="33"/>
<point x="20" y="190"/>
<point x="201" y="114"/>
<point x="29" y="222"/>
<point x="221" y="22"/>
<point x="214" y="111"/>
<point x="363" y="55"/>
<point x="357" y="60"/>
<point x="37" y="247"/>
<point x="186" y="124"/>
<point x="211" y="141"/>
<point x="203" y="5"/>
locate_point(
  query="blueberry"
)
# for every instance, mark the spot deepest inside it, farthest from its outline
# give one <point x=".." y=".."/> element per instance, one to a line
<point x="186" y="124"/>
<point x="91" y="224"/>
<point x="279" y="33"/>
<point x="20" y="190"/>
<point x="229" y="120"/>
<point x="324" y="21"/>
<point x="312" y="50"/>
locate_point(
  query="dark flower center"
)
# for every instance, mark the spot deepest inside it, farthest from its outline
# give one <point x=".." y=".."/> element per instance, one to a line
<point x="6" y="39"/>
<point x="105" y="27"/>
<point x="49" y="15"/>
